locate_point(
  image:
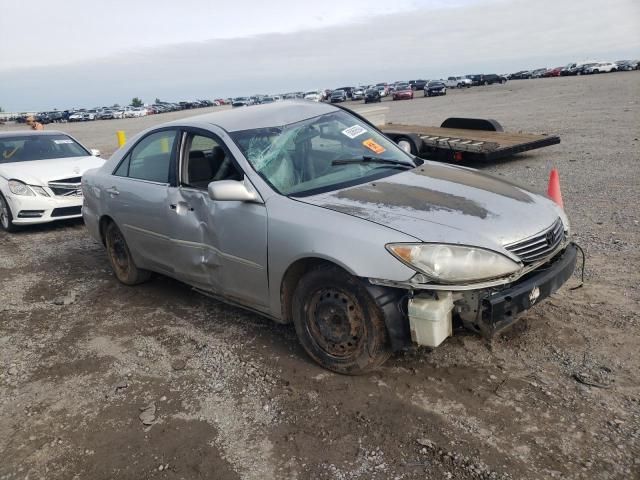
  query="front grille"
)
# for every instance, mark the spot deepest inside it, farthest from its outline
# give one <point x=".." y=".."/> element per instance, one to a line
<point x="66" y="187"/>
<point x="66" y="211"/>
<point x="539" y="246"/>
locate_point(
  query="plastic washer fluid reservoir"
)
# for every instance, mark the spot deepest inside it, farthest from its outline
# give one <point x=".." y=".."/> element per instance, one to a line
<point x="430" y="319"/>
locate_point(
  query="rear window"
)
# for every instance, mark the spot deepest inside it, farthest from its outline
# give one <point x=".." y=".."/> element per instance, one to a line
<point x="25" y="148"/>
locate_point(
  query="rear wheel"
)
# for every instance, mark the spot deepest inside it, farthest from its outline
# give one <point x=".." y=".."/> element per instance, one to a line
<point x="120" y="258"/>
<point x="338" y="322"/>
<point x="6" y="218"/>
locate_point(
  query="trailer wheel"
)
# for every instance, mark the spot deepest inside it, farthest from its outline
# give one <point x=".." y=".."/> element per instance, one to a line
<point x="486" y="82"/>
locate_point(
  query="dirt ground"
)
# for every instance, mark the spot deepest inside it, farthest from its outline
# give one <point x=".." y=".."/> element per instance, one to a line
<point x="103" y="381"/>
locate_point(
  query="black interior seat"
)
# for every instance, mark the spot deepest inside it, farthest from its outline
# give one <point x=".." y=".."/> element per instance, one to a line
<point x="199" y="169"/>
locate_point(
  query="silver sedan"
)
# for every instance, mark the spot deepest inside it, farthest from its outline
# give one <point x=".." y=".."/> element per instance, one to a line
<point x="306" y="213"/>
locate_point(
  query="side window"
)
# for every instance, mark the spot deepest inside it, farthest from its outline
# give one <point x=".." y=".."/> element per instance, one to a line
<point x="150" y="159"/>
<point x="206" y="161"/>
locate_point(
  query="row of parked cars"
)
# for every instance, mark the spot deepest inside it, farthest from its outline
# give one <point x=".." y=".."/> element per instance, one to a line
<point x="404" y="90"/>
<point x="114" y="112"/>
<point x="577" y="68"/>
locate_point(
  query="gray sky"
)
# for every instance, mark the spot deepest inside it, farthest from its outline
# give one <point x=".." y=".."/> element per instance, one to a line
<point x="74" y="53"/>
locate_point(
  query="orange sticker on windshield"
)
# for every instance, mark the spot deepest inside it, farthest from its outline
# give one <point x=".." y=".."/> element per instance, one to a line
<point x="373" y="146"/>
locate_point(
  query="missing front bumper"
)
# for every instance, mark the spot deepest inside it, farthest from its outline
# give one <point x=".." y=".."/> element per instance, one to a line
<point x="499" y="309"/>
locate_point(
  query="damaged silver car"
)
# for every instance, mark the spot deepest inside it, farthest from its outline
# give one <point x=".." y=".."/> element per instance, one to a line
<point x="306" y="213"/>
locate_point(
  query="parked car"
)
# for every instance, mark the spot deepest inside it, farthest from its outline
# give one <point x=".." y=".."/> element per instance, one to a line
<point x="521" y="75"/>
<point x="476" y="79"/>
<point x="601" y="67"/>
<point x="435" y="88"/>
<point x="402" y="91"/>
<point x="383" y="88"/>
<point x="338" y="96"/>
<point x="347" y="90"/>
<point x="78" y="117"/>
<point x="626" y="65"/>
<point x="40" y="177"/>
<point x="491" y="78"/>
<point x="358" y="93"/>
<point x="457" y="82"/>
<point x="314" y="96"/>
<point x="419" y="84"/>
<point x="372" y="95"/>
<point x="538" y="73"/>
<point x="584" y="68"/>
<point x="105" y="115"/>
<point x="553" y="72"/>
<point x="241" y="102"/>
<point x="307" y="214"/>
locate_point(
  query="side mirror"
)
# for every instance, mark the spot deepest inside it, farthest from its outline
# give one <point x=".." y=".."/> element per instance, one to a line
<point x="233" y="191"/>
<point x="95" y="152"/>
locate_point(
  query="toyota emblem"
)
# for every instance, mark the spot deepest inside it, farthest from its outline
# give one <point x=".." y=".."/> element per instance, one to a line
<point x="550" y="237"/>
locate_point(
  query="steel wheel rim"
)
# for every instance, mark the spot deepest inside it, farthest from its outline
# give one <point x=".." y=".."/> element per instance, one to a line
<point x="4" y="213"/>
<point x="118" y="252"/>
<point x="335" y="322"/>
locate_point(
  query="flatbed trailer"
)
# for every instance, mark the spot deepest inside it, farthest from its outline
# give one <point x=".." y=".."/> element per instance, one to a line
<point x="459" y="139"/>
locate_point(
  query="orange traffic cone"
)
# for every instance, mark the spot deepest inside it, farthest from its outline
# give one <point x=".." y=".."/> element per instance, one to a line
<point x="554" y="187"/>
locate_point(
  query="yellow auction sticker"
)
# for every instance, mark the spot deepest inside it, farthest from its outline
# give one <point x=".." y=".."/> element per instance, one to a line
<point x="373" y="146"/>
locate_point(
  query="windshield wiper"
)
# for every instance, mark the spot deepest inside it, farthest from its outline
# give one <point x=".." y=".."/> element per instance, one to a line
<point x="366" y="159"/>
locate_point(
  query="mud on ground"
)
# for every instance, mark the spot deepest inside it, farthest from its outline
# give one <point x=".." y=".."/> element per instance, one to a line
<point x="102" y="381"/>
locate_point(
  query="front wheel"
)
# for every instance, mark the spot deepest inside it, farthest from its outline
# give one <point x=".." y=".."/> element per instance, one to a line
<point x="338" y="323"/>
<point x="6" y="218"/>
<point x="120" y="258"/>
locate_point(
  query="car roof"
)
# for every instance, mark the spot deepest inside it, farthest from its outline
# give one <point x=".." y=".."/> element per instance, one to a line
<point x="30" y="133"/>
<point x="261" y="116"/>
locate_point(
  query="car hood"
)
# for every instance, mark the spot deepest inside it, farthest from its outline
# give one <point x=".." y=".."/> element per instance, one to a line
<point x="40" y="172"/>
<point x="445" y="203"/>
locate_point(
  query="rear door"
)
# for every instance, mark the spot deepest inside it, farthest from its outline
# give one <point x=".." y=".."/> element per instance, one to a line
<point x="219" y="246"/>
<point x="138" y="198"/>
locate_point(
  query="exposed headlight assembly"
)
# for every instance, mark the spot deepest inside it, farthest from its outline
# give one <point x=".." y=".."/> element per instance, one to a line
<point x="20" y="188"/>
<point x="446" y="263"/>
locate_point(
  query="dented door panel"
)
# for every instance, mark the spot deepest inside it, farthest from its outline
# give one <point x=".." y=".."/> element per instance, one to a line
<point x="220" y="247"/>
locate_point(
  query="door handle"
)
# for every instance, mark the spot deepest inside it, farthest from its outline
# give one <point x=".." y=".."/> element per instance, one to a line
<point x="174" y="206"/>
<point x="112" y="191"/>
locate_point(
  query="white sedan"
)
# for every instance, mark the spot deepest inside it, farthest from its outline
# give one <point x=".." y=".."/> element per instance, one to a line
<point x="40" y="174"/>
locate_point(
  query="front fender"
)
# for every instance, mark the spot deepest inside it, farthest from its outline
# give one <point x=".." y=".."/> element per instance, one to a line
<point x="297" y="230"/>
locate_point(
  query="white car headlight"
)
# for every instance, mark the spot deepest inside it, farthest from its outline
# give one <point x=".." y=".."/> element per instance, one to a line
<point x="39" y="190"/>
<point x="454" y="263"/>
<point x="20" y="188"/>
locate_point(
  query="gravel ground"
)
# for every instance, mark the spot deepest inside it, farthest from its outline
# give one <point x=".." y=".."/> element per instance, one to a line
<point x="103" y="381"/>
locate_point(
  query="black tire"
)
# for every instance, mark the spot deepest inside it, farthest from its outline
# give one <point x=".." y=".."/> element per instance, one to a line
<point x="486" y="82"/>
<point x="502" y="82"/>
<point x="6" y="217"/>
<point x="120" y="258"/>
<point x="338" y="323"/>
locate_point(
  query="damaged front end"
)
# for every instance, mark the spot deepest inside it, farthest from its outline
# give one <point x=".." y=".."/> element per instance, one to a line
<point x="427" y="313"/>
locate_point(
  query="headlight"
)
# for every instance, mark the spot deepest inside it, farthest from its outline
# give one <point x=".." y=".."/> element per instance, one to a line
<point x="20" y="188"/>
<point x="453" y="263"/>
<point x="39" y="190"/>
